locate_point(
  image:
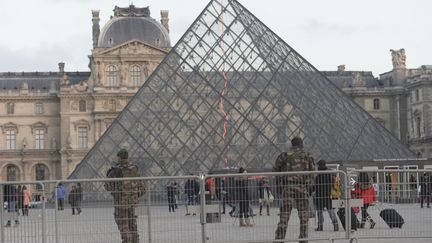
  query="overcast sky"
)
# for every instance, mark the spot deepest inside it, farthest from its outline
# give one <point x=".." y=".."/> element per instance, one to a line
<point x="37" y="34"/>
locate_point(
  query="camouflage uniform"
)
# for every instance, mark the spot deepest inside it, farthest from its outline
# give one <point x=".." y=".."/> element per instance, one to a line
<point x="294" y="189"/>
<point x="126" y="198"/>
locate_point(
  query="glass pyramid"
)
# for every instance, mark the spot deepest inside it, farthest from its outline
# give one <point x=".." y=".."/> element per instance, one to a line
<point x="232" y="93"/>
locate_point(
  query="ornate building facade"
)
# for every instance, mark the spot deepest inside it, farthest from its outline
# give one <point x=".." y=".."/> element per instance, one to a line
<point x="50" y="120"/>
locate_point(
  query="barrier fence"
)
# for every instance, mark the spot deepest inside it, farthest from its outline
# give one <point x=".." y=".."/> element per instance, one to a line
<point x="241" y="207"/>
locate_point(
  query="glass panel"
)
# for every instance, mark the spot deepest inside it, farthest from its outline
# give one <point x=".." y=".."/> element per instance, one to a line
<point x="233" y="93"/>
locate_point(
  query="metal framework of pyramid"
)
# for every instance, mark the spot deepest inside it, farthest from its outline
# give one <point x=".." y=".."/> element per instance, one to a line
<point x="232" y="93"/>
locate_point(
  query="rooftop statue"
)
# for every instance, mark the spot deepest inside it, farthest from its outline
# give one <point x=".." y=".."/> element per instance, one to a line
<point x="398" y="58"/>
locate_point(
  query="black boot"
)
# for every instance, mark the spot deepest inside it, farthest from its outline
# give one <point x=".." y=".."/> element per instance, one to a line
<point x="320" y="228"/>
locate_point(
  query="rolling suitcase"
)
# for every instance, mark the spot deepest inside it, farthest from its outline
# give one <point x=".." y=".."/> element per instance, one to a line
<point x="392" y="218"/>
<point x="354" y="220"/>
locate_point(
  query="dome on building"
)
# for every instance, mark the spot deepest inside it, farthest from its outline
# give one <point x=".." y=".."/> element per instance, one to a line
<point x="133" y="23"/>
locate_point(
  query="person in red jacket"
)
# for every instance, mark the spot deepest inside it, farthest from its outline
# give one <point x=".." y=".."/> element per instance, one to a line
<point x="365" y="190"/>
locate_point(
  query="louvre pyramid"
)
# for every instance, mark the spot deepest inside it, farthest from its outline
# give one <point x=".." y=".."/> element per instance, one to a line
<point x="232" y="93"/>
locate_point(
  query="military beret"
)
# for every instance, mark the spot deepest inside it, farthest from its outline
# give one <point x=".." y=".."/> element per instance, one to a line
<point x="123" y="153"/>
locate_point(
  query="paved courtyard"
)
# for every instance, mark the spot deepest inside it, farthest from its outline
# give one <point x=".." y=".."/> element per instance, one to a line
<point x="96" y="224"/>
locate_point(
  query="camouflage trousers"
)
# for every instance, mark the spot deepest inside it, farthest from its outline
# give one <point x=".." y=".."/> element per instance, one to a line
<point x="126" y="221"/>
<point x="300" y="200"/>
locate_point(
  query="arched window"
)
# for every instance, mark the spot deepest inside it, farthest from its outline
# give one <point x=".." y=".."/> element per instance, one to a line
<point x="82" y="106"/>
<point x="41" y="174"/>
<point x="112" y="76"/>
<point x="135" y="74"/>
<point x="376" y="104"/>
<point x="12" y="173"/>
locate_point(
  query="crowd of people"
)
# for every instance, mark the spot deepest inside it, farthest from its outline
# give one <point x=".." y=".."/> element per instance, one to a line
<point x="293" y="191"/>
<point x="18" y="199"/>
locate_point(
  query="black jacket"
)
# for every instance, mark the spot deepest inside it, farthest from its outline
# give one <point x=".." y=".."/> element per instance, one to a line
<point x="192" y="187"/>
<point x="242" y="190"/>
<point x="10" y="193"/>
<point x="322" y="188"/>
<point x="425" y="186"/>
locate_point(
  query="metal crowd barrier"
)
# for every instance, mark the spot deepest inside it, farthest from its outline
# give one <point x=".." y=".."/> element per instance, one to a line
<point x="241" y="207"/>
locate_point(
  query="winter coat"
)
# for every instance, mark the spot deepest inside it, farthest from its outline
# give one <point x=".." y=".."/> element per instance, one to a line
<point x="61" y="192"/>
<point x="73" y="197"/>
<point x="323" y="186"/>
<point x="79" y="196"/>
<point x="27" y="197"/>
<point x="171" y="192"/>
<point x="10" y="194"/>
<point x="191" y="187"/>
<point x="242" y="190"/>
<point x="425" y="186"/>
<point x="20" y="197"/>
<point x="367" y="193"/>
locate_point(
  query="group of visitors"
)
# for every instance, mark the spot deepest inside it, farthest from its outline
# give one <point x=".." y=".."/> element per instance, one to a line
<point x="17" y="199"/>
<point x="75" y="197"/>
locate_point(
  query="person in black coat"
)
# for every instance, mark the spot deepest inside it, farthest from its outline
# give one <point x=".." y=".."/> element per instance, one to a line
<point x="425" y="190"/>
<point x="10" y="195"/>
<point x="20" y="200"/>
<point x="171" y="192"/>
<point x="323" y="186"/>
<point x="192" y="189"/>
<point x="242" y="197"/>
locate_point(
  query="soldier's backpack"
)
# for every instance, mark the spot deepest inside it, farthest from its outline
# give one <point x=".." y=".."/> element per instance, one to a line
<point x="131" y="170"/>
<point x="124" y="171"/>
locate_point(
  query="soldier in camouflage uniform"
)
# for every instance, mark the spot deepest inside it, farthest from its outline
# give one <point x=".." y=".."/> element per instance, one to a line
<point x="294" y="188"/>
<point x="126" y="196"/>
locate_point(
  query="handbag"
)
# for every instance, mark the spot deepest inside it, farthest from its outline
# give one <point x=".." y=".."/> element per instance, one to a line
<point x="271" y="198"/>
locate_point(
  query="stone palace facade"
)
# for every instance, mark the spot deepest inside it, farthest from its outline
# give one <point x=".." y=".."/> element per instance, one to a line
<point x="50" y="120"/>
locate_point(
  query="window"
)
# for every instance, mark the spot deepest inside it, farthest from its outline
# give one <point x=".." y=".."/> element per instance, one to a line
<point x="10" y="107"/>
<point x="417" y="95"/>
<point x="135" y="74"/>
<point x="39" y="138"/>
<point x="40" y="174"/>
<point x="10" y="139"/>
<point x="113" y="105"/>
<point x="12" y="173"/>
<point x="112" y="76"/>
<point x="82" y="106"/>
<point x="376" y="104"/>
<point x="39" y="108"/>
<point x="82" y="137"/>
<point x="418" y="126"/>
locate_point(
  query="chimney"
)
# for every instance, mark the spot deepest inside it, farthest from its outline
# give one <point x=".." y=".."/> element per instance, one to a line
<point x="341" y="68"/>
<point x="165" y="19"/>
<point x="96" y="27"/>
<point x="61" y="66"/>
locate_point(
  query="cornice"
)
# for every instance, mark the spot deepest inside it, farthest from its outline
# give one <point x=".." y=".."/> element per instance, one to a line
<point x="28" y="98"/>
<point x="74" y="95"/>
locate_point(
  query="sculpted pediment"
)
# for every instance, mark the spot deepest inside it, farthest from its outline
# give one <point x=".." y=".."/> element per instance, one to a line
<point x="134" y="47"/>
